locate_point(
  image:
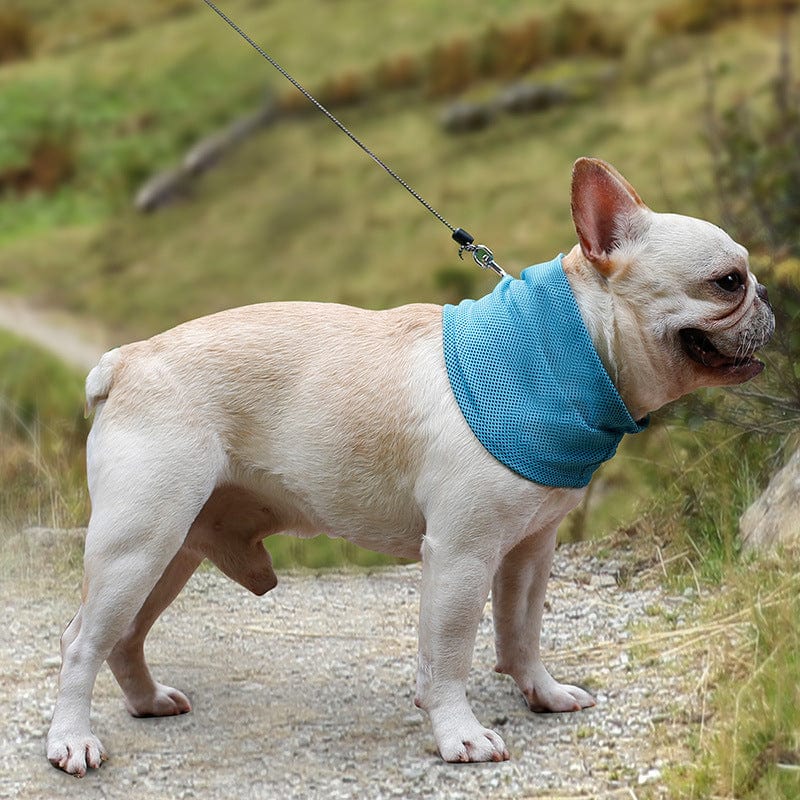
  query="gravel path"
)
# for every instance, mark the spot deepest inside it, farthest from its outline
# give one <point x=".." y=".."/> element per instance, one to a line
<point x="308" y="693"/>
<point x="76" y="342"/>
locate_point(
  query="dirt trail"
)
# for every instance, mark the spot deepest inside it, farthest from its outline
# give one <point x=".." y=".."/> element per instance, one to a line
<point x="307" y="692"/>
<point x="75" y="342"/>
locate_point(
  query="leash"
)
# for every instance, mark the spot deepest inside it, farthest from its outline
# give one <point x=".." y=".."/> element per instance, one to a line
<point x="481" y="254"/>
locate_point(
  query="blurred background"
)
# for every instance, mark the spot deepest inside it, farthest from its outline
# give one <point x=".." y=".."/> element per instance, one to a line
<point x="153" y="168"/>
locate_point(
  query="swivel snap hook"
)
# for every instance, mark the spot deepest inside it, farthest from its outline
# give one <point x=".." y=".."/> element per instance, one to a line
<point x="481" y="254"/>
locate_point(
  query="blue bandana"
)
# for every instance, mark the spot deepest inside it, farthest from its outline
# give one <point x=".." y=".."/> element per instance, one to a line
<point x="530" y="383"/>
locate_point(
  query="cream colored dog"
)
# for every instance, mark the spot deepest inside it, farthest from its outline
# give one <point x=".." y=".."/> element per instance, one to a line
<point x="310" y="418"/>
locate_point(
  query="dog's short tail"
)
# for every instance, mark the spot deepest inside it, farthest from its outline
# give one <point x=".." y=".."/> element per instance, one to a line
<point x="100" y="379"/>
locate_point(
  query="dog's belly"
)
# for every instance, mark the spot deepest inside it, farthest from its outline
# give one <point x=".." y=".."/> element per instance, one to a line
<point x="232" y="524"/>
<point x="368" y="512"/>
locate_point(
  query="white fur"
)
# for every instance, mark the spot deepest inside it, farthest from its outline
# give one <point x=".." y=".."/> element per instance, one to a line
<point x="312" y="418"/>
<point x="100" y="378"/>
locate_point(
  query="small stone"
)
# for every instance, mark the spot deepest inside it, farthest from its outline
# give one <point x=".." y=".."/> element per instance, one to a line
<point x="414" y="773"/>
<point x="651" y="776"/>
<point x="774" y="519"/>
<point x="463" y="117"/>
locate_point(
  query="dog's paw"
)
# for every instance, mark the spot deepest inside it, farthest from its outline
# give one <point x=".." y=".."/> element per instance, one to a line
<point x="75" y="754"/>
<point x="545" y="694"/>
<point x="163" y="701"/>
<point x="471" y="743"/>
<point x="558" y="697"/>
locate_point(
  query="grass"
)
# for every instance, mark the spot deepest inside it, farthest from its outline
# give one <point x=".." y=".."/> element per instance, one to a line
<point x="759" y="750"/>
<point x="744" y="637"/>
<point x="748" y="743"/>
<point x="42" y="435"/>
<point x="200" y="74"/>
<point x="321" y="552"/>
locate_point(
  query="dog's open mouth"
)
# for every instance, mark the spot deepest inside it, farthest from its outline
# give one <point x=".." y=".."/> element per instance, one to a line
<point x="699" y="348"/>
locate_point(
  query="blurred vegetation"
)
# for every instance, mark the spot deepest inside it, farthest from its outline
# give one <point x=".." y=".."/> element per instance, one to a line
<point x="42" y="438"/>
<point x="78" y="245"/>
<point x="703" y="16"/>
<point x="16" y="35"/>
<point x="753" y="748"/>
<point x="749" y="747"/>
<point x="755" y="144"/>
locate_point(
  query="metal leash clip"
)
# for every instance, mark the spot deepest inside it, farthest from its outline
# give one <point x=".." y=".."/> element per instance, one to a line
<point x="481" y="254"/>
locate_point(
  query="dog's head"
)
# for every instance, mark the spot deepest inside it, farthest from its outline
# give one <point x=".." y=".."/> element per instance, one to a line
<point x="685" y="309"/>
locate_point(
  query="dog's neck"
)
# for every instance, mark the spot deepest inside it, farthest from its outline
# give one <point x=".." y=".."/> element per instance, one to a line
<point x="630" y="360"/>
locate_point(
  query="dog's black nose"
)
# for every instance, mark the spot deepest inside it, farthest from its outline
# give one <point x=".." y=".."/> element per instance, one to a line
<point x="762" y="292"/>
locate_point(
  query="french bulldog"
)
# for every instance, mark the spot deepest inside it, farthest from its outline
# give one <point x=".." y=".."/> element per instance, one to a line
<point x="378" y="426"/>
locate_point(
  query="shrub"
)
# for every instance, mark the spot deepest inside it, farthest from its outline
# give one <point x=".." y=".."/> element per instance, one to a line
<point x="452" y="67"/>
<point x="16" y="35"/>
<point x="512" y="51"/>
<point x="291" y="103"/>
<point x="756" y="171"/>
<point x="346" y="89"/>
<point x="693" y="16"/>
<point x="577" y="32"/>
<point x="702" y="16"/>
<point x="51" y="163"/>
<point x="401" y="72"/>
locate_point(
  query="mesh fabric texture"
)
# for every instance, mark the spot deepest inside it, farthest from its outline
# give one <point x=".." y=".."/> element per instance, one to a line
<point x="529" y="381"/>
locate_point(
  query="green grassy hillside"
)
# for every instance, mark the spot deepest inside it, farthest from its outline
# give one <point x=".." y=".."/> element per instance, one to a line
<point x="298" y="211"/>
<point x="42" y="435"/>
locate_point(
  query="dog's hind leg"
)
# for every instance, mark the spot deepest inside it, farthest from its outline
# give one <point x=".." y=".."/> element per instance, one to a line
<point x="144" y="501"/>
<point x="145" y="697"/>
<point x="228" y="531"/>
<point x="117" y="585"/>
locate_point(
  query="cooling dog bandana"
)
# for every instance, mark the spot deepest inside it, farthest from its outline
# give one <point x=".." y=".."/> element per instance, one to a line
<point x="529" y="382"/>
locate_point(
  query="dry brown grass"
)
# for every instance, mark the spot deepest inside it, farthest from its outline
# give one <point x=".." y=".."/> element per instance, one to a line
<point x="16" y="35"/>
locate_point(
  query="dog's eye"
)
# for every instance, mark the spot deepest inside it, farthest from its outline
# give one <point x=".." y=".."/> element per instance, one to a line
<point x="730" y="283"/>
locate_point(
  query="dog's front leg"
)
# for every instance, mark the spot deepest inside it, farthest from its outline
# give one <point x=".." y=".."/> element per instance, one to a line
<point x="518" y="594"/>
<point x="455" y="585"/>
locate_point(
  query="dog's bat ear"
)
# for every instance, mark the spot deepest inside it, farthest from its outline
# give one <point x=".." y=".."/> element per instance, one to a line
<point x="605" y="210"/>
